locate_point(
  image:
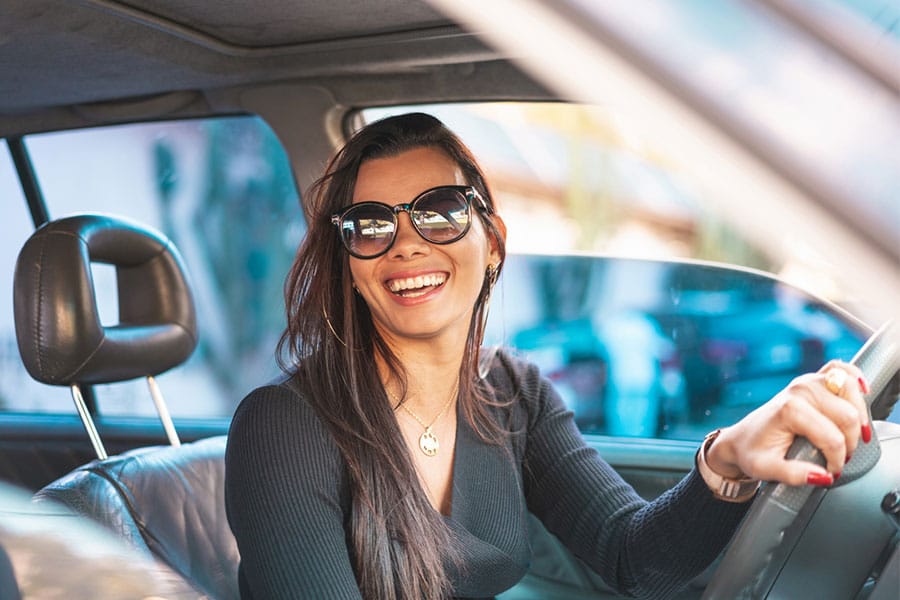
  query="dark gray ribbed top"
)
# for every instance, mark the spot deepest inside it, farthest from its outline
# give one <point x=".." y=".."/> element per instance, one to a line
<point x="288" y="498"/>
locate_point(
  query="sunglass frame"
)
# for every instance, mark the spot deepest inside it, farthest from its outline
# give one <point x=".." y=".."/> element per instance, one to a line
<point x="470" y="194"/>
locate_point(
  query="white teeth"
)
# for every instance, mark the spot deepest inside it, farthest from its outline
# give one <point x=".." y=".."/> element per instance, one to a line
<point x="416" y="283"/>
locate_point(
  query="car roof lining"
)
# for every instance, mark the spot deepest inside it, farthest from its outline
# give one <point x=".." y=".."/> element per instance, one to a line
<point x="279" y="23"/>
<point x="59" y="53"/>
<point x="478" y="81"/>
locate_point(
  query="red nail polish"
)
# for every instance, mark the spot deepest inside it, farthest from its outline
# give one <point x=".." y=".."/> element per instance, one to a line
<point x="866" y="432"/>
<point x="863" y="385"/>
<point x="837" y="475"/>
<point x="847" y="459"/>
<point x="819" y="479"/>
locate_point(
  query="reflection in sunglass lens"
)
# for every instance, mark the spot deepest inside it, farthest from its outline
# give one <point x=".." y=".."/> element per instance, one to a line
<point x="441" y="215"/>
<point x="368" y="229"/>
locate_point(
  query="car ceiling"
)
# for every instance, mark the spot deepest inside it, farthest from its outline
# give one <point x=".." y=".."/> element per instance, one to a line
<point x="58" y="53"/>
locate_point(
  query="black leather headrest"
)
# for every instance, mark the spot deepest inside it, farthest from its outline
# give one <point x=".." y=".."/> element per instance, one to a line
<point x="58" y="325"/>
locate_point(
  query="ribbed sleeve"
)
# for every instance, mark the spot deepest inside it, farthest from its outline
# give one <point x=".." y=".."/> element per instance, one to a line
<point x="648" y="550"/>
<point x="283" y="484"/>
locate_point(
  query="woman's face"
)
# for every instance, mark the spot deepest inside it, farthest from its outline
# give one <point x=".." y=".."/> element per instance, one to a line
<point x="418" y="290"/>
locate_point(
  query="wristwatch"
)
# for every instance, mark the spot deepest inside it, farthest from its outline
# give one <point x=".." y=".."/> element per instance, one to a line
<point x="724" y="488"/>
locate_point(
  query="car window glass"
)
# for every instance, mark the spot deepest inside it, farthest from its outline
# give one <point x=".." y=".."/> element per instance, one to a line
<point x="223" y="191"/>
<point x="651" y="348"/>
<point x="18" y="391"/>
<point x="637" y="346"/>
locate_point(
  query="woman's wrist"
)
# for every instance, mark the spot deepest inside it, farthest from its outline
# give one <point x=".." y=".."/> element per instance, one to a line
<point x="721" y="455"/>
<point x="722" y="476"/>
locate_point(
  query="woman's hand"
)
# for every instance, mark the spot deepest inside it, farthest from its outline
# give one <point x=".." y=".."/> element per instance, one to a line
<point x="833" y="420"/>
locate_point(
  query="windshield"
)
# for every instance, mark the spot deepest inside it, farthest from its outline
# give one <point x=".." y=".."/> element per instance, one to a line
<point x="812" y="108"/>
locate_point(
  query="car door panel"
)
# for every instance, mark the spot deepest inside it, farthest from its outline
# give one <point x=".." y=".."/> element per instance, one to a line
<point x="37" y="449"/>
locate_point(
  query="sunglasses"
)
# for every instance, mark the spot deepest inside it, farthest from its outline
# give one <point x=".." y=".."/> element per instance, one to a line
<point x="441" y="215"/>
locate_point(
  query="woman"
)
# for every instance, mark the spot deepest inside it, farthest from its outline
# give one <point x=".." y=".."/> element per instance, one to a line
<point x="395" y="462"/>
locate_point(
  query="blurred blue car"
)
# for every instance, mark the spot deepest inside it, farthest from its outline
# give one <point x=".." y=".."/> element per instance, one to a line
<point x="646" y="348"/>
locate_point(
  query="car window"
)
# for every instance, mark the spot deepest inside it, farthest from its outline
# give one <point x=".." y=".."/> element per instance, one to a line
<point x="18" y="391"/>
<point x="223" y="191"/>
<point x="652" y="348"/>
<point x="636" y="344"/>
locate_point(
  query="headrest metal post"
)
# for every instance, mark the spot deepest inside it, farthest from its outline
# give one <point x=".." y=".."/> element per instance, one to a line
<point x="88" y="422"/>
<point x="163" y="411"/>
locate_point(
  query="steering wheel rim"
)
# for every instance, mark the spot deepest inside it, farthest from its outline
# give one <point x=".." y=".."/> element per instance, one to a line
<point x="772" y="527"/>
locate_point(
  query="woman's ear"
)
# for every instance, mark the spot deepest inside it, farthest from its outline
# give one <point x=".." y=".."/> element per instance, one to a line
<point x="497" y="220"/>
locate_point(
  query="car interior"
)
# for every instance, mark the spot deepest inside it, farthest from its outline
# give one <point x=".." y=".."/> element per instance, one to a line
<point x="168" y="501"/>
<point x="309" y="71"/>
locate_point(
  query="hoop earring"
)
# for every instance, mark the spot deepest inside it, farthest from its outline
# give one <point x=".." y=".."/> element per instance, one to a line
<point x="491" y="274"/>
<point x="490" y="278"/>
<point x="331" y="328"/>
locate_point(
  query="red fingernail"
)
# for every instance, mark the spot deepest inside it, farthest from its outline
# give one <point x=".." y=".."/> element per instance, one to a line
<point x="863" y="385"/>
<point x="819" y="479"/>
<point x="846" y="460"/>
<point x="866" y="432"/>
<point x="837" y="475"/>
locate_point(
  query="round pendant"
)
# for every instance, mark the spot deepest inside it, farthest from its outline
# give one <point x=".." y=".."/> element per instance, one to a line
<point x="428" y="443"/>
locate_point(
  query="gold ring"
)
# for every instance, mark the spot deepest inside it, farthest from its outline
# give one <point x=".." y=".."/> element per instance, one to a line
<point x="835" y="379"/>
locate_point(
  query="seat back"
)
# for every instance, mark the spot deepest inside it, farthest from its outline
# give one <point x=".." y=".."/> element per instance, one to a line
<point x="167" y="501"/>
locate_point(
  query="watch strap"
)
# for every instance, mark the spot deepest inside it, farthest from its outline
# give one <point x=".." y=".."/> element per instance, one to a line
<point x="724" y="488"/>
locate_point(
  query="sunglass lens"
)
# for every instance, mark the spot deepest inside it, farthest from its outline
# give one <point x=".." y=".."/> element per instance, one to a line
<point x="368" y="229"/>
<point x="442" y="215"/>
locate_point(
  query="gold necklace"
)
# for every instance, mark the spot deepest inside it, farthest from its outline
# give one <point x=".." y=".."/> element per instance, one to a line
<point x="428" y="442"/>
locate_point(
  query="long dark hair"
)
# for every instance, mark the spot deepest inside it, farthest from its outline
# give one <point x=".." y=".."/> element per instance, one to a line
<point x="399" y="543"/>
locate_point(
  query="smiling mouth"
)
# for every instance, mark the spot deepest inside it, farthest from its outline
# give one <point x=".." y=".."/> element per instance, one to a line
<point x="413" y="287"/>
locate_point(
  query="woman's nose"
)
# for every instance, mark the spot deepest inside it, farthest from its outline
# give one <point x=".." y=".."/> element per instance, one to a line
<point x="407" y="241"/>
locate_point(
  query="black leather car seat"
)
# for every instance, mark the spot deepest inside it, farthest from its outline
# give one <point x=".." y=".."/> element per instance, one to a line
<point x="165" y="500"/>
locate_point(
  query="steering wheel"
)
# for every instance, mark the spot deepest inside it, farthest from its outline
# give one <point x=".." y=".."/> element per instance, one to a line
<point x="773" y="525"/>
